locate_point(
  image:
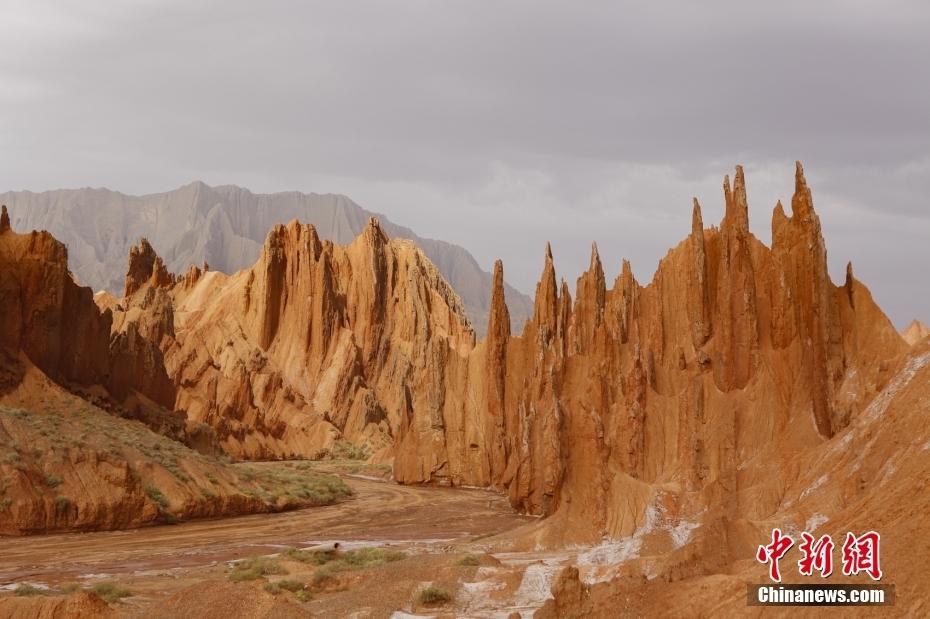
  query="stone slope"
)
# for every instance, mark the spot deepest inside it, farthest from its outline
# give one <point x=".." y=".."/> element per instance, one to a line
<point x="223" y="226"/>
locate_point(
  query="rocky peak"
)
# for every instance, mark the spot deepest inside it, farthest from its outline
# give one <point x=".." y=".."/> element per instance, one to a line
<point x="145" y="267"/>
<point x="545" y="313"/>
<point x="499" y="316"/>
<point x="736" y="216"/>
<point x="915" y="332"/>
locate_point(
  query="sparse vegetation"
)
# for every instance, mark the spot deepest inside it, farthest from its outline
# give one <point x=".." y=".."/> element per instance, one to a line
<point x="69" y="588"/>
<point x="5" y="504"/>
<point x="294" y="586"/>
<point x="270" y="482"/>
<point x="344" y="450"/>
<point x="255" y="568"/>
<point x="111" y="592"/>
<point x="27" y="590"/>
<point x="52" y="481"/>
<point x="433" y="595"/>
<point x="469" y="561"/>
<point x="331" y="563"/>
<point x="158" y="497"/>
<point x="303" y="595"/>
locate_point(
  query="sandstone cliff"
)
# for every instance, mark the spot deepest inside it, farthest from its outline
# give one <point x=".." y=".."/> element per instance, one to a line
<point x="315" y="346"/>
<point x="69" y="457"/>
<point x="676" y="395"/>
<point x="680" y="395"/>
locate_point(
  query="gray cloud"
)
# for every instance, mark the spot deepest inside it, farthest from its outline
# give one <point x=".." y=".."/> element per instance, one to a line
<point x="496" y="125"/>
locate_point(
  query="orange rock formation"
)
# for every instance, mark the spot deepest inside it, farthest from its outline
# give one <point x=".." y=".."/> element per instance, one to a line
<point x="684" y="390"/>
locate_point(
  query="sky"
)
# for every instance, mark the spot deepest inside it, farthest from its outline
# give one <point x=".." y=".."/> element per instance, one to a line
<point x="497" y="125"/>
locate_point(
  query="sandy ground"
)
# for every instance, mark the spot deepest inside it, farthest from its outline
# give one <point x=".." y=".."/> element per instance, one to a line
<point x="435" y="527"/>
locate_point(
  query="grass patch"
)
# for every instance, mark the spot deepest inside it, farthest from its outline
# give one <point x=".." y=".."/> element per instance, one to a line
<point x="255" y="568"/>
<point x="269" y="482"/>
<point x="25" y="590"/>
<point x="294" y="586"/>
<point x="158" y="497"/>
<point x="331" y="563"/>
<point x="469" y="561"/>
<point x="433" y="595"/>
<point x="111" y="592"/>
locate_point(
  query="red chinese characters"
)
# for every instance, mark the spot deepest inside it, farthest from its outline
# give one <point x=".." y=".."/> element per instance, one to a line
<point x="772" y="553"/>
<point x="817" y="555"/>
<point x="860" y="554"/>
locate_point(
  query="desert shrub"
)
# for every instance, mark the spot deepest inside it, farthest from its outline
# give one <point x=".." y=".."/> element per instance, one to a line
<point x="111" y="592"/>
<point x="344" y="450"/>
<point x="157" y="496"/>
<point x="255" y="568"/>
<point x="52" y="481"/>
<point x="363" y="558"/>
<point x="469" y="561"/>
<point x="303" y="595"/>
<point x="5" y="504"/>
<point x="27" y="590"/>
<point x="434" y="595"/>
<point x="290" y="585"/>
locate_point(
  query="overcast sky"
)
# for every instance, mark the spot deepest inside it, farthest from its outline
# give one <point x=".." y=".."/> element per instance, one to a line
<point x="497" y="125"/>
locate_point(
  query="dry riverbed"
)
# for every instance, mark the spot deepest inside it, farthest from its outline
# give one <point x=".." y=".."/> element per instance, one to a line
<point x="403" y="550"/>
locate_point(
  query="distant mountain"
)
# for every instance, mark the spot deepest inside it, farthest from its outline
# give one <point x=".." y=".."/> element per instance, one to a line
<point x="225" y="227"/>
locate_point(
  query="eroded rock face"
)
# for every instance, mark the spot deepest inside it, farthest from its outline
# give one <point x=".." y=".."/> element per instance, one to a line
<point x="58" y="326"/>
<point x="686" y="391"/>
<point x="683" y="395"/>
<point x="315" y="344"/>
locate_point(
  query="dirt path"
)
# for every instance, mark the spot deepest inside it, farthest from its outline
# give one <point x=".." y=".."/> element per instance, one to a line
<point x="379" y="512"/>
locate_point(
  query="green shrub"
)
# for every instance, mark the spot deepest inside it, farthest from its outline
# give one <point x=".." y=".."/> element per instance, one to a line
<point x="157" y="496"/>
<point x="290" y="585"/>
<point x="111" y="592"/>
<point x="26" y="590"/>
<point x="334" y="562"/>
<point x="433" y="595"/>
<point x="52" y="481"/>
<point x="469" y="561"/>
<point x="255" y="568"/>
